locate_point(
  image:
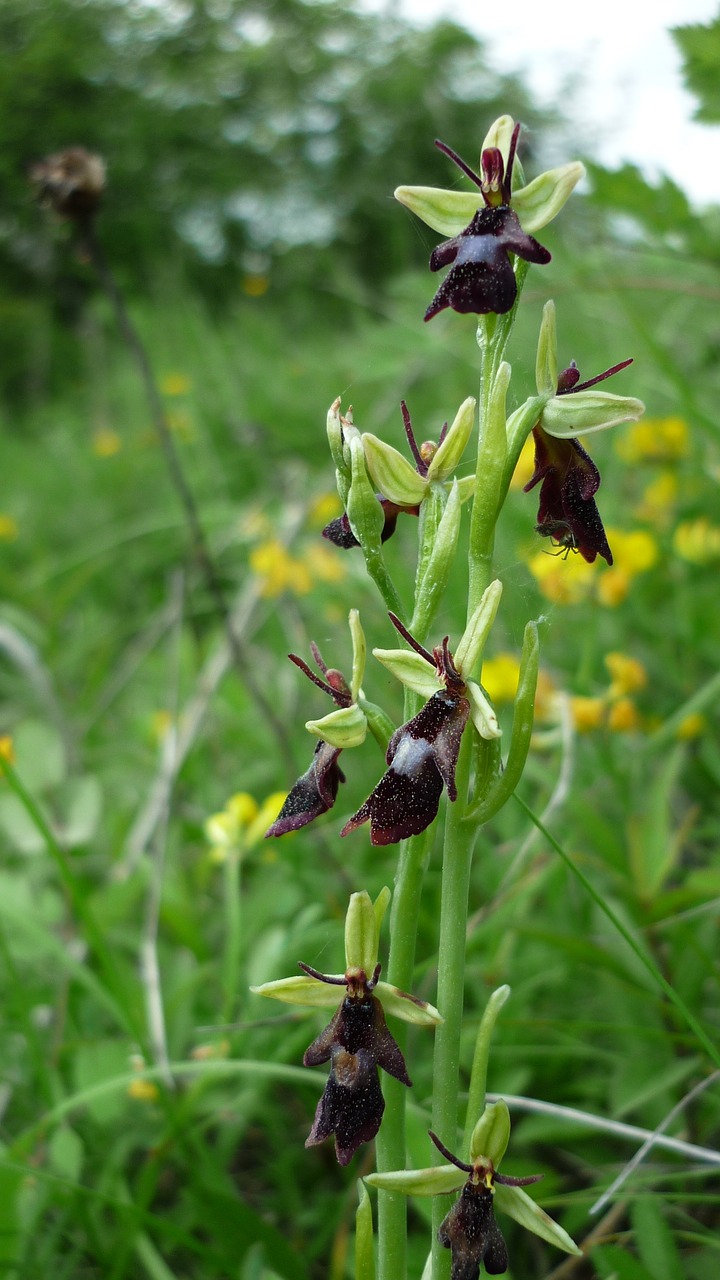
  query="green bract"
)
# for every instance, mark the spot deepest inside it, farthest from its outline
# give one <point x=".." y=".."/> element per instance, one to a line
<point x="362" y="929"/>
<point x="346" y="727"/>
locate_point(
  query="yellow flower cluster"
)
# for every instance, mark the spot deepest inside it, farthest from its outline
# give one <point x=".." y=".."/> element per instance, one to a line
<point x="241" y="824"/>
<point x="697" y="541"/>
<point x="279" y="570"/>
<point x="614" y="709"/>
<point x="654" y="440"/>
<point x="570" y="580"/>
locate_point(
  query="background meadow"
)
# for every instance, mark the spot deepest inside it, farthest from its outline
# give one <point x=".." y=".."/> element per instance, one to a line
<point x="153" y="1110"/>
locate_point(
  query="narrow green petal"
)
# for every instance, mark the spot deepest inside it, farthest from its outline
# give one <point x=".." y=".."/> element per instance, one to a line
<point x="483" y="715"/>
<point x="582" y="413"/>
<point x="302" y="990"/>
<point x="543" y="198"/>
<point x="361" y="935"/>
<point x="406" y="1007"/>
<point x="546" y="370"/>
<point x="453" y="446"/>
<point x="359" y="651"/>
<point x="440" y="1181"/>
<point x="472" y="642"/>
<point x="491" y="1134"/>
<point x="517" y="1204"/>
<point x="448" y="212"/>
<point x="412" y="670"/>
<point x="466" y="487"/>
<point x="392" y="473"/>
<point x="345" y="727"/>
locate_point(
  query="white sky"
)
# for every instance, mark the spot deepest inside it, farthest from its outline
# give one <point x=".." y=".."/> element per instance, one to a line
<point x="625" y="68"/>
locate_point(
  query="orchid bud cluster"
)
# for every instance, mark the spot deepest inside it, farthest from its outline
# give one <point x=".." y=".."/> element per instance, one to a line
<point x="451" y="745"/>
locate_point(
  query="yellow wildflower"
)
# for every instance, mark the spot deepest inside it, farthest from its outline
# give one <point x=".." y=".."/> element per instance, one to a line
<point x="692" y="726"/>
<point x="658" y="498"/>
<point x="143" y="1090"/>
<point x="7" y="750"/>
<point x="106" y="442"/>
<point x="500" y="677"/>
<point x="545" y="697"/>
<point x="175" y="384"/>
<point x="525" y="465"/>
<point x="613" y="587"/>
<point x="323" y="509"/>
<point x="208" y="1052"/>
<point x="654" y="440"/>
<point x="323" y="565"/>
<point x="242" y="823"/>
<point x="255" y="285"/>
<point x="279" y="571"/>
<point x="623" y="716"/>
<point x="628" y="675"/>
<point x="587" y="713"/>
<point x="634" y="550"/>
<point x="564" y="581"/>
<point x="254" y="524"/>
<point x="697" y="541"/>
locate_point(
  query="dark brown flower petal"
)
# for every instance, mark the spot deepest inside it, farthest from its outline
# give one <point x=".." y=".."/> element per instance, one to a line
<point x="351" y="1106"/>
<point x="338" y="531"/>
<point x="422" y="756"/>
<point x="567" y="505"/>
<point x="471" y="1232"/>
<point x="481" y="279"/>
<point x="314" y="793"/>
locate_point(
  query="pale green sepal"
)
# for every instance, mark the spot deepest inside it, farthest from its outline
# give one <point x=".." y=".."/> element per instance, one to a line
<point x="448" y="212"/>
<point x="412" y="670"/>
<point x="517" y="1204"/>
<point x="499" y="135"/>
<point x="440" y="1181"/>
<point x="546" y="370"/>
<point x="363" y="509"/>
<point x="345" y="727"/>
<point x="543" y="198"/>
<point x="481" y="712"/>
<point x="364" y="1249"/>
<point x="392" y="473"/>
<point x="437" y="569"/>
<point x="583" y="412"/>
<point x="302" y="990"/>
<point x="335" y="440"/>
<point x="466" y="487"/>
<point x="406" y="1007"/>
<point x="491" y="1134"/>
<point x="361" y="936"/>
<point x="453" y="446"/>
<point x="359" y="650"/>
<point x="472" y="641"/>
<point x="380" y="906"/>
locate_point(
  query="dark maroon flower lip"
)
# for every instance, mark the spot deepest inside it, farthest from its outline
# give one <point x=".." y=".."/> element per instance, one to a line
<point x="316" y="790"/>
<point x="567" y="511"/>
<point x="481" y="279"/>
<point x="422" y="757"/>
<point x="356" y="1042"/>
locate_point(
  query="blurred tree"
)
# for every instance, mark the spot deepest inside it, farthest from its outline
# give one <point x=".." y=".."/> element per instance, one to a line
<point x="238" y="136"/>
<point x="700" y="47"/>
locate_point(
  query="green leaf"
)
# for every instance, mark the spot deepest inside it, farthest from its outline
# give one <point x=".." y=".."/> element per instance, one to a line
<point x="654" y="847"/>
<point x="655" y="1243"/>
<point x="39" y="755"/>
<point x="364" y="1252"/>
<point x="66" y="1153"/>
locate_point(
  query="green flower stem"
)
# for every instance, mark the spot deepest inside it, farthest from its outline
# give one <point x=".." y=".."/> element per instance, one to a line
<point x="390" y="1142"/>
<point x="457" y="860"/>
<point x="489" y="471"/>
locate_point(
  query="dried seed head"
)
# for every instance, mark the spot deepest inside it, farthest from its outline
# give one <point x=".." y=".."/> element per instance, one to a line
<point x="70" y="182"/>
